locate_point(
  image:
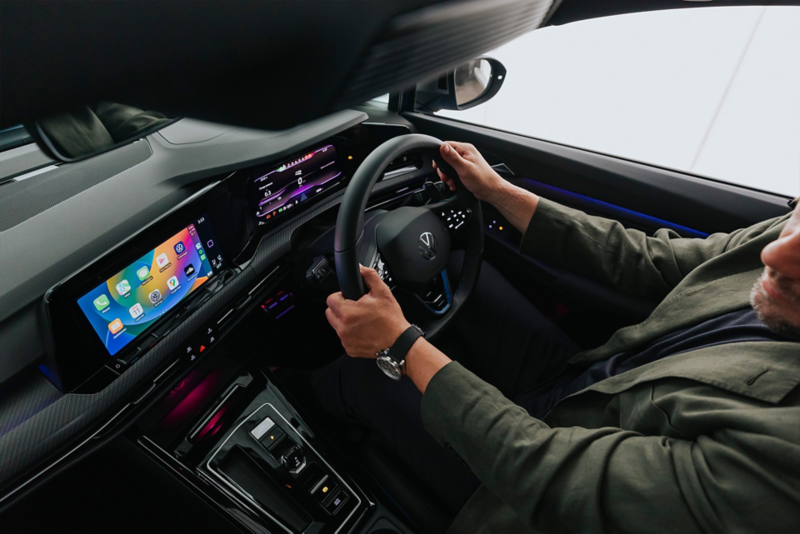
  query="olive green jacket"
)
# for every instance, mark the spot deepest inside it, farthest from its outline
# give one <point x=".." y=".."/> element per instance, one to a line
<point x="703" y="441"/>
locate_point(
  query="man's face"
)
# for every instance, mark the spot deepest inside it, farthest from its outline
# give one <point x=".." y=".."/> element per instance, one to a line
<point x="776" y="295"/>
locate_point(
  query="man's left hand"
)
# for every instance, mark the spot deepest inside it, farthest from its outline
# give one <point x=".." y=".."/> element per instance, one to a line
<point x="369" y="324"/>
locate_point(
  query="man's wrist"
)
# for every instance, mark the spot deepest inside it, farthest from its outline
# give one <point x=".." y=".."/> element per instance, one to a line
<point x="500" y="192"/>
<point x="397" y="331"/>
<point x="423" y="361"/>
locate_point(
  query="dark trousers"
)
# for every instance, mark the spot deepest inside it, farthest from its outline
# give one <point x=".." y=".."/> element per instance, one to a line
<point x="499" y="335"/>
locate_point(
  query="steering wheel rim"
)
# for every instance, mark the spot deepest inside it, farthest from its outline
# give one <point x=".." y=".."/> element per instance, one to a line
<point x="350" y="235"/>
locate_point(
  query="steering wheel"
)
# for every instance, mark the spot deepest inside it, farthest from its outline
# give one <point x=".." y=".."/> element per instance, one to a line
<point x="409" y="246"/>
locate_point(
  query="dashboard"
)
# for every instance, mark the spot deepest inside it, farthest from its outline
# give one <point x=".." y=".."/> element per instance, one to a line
<point x="148" y="309"/>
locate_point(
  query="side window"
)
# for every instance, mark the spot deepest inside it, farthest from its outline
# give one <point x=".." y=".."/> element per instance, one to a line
<point x="710" y="91"/>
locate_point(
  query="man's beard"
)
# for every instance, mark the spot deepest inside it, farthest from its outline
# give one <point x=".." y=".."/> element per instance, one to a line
<point x="762" y="303"/>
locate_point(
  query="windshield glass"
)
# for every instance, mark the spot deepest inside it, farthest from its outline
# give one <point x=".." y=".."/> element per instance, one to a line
<point x="712" y="91"/>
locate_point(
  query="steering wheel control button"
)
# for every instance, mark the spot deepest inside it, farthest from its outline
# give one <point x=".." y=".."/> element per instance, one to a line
<point x="454" y="217"/>
<point x="294" y="459"/>
<point x="383" y="270"/>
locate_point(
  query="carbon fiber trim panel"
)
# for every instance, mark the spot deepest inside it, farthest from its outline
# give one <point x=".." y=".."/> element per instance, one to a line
<point x="23" y="399"/>
<point x="19" y="201"/>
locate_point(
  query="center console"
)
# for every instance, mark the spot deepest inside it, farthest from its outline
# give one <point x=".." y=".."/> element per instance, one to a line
<point x="228" y="429"/>
<point x="230" y="433"/>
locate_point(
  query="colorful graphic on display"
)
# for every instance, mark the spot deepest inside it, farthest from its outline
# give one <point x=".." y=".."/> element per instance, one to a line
<point x="294" y="182"/>
<point x="130" y="301"/>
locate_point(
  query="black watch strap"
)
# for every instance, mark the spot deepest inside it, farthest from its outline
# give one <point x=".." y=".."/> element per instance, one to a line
<point x="404" y="343"/>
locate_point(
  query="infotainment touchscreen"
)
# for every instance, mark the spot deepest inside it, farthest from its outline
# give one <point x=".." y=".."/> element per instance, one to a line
<point x="133" y="299"/>
<point x="277" y="190"/>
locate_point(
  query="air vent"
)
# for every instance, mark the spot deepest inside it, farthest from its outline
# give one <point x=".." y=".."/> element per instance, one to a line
<point x="19" y="201"/>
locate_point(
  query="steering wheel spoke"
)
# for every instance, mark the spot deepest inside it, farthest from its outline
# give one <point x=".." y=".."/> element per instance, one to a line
<point x="437" y="296"/>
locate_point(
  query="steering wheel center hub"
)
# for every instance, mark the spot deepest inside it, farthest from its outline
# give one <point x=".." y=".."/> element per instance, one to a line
<point x="415" y="243"/>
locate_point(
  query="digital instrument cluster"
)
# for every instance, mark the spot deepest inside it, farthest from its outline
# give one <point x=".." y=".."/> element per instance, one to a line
<point x="279" y="189"/>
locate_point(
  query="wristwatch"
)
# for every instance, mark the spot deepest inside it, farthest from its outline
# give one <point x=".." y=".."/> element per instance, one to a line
<point x="392" y="361"/>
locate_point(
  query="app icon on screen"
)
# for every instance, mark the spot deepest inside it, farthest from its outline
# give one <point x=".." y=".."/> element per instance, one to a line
<point x="202" y="257"/>
<point x="115" y="326"/>
<point x="173" y="282"/>
<point x="162" y="260"/>
<point x="101" y="302"/>
<point x="155" y="296"/>
<point x="143" y="272"/>
<point x="179" y="248"/>
<point x="123" y="287"/>
<point x="136" y="310"/>
<point x="189" y="271"/>
<point x="198" y="246"/>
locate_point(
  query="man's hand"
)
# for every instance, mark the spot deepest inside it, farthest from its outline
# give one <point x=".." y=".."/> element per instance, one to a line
<point x="475" y="173"/>
<point x="516" y="204"/>
<point x="369" y="324"/>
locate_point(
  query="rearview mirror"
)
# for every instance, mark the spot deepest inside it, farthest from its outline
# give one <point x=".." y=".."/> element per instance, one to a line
<point x="90" y="130"/>
<point x="468" y="85"/>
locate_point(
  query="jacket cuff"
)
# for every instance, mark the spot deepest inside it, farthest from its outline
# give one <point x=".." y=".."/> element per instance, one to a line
<point x="449" y="400"/>
<point x="544" y="236"/>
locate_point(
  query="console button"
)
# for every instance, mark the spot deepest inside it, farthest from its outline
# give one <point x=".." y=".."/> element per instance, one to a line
<point x="119" y="365"/>
<point x="210" y="335"/>
<point x="272" y="439"/>
<point x="334" y="503"/>
<point x="262" y="428"/>
<point x="327" y="489"/>
<point x="294" y="459"/>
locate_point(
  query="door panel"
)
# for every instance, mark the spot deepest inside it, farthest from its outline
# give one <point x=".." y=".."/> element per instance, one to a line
<point x="638" y="195"/>
<point x="698" y="203"/>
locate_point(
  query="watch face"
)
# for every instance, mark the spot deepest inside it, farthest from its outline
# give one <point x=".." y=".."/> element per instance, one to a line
<point x="389" y="367"/>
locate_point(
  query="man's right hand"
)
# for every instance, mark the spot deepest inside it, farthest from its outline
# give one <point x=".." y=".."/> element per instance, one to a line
<point x="475" y="173"/>
<point x="516" y="204"/>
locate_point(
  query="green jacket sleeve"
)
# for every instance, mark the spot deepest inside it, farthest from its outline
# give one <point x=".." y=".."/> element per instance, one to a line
<point x="625" y="259"/>
<point x="575" y="479"/>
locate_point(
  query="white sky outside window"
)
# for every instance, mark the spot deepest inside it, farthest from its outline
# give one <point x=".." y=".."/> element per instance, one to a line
<point x="711" y="91"/>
